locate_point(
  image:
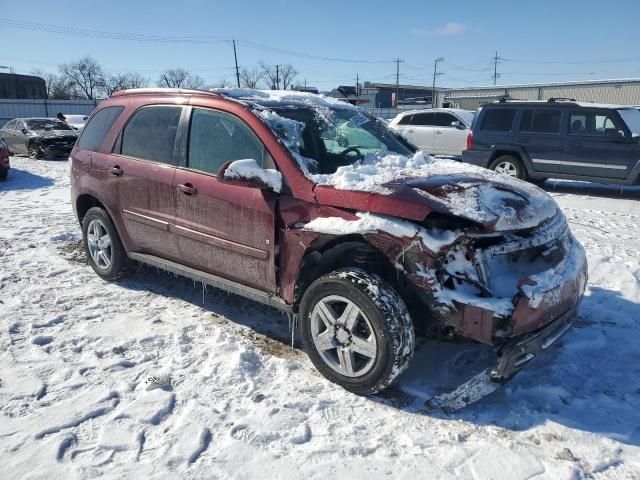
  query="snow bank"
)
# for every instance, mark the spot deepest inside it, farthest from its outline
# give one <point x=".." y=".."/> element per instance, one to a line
<point x="433" y="239"/>
<point x="249" y="168"/>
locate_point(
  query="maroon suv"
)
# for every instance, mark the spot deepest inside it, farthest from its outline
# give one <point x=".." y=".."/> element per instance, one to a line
<point x="314" y="207"/>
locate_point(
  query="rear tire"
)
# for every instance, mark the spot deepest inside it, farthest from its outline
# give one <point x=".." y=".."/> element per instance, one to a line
<point x="356" y="330"/>
<point x="102" y="245"/>
<point x="509" y="165"/>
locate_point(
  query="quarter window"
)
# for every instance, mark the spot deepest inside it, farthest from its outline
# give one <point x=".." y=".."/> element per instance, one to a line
<point x="216" y="138"/>
<point x="541" y="121"/>
<point x="94" y="132"/>
<point x="10" y="125"/>
<point x="151" y="134"/>
<point x="406" y="120"/>
<point x="498" y="119"/>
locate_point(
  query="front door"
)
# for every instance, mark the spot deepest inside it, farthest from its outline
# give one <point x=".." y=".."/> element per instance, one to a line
<point x="448" y="139"/>
<point x="142" y="168"/>
<point x="224" y="229"/>
<point x="592" y="149"/>
<point x="420" y="131"/>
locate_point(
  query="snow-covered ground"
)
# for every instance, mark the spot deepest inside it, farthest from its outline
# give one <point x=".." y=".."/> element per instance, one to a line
<point x="76" y="353"/>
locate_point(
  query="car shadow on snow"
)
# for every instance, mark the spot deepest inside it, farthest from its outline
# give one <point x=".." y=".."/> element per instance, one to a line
<point x="22" y="180"/>
<point x="592" y="189"/>
<point x="589" y="380"/>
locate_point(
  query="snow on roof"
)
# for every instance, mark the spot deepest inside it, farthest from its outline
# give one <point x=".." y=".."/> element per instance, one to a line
<point x="284" y="96"/>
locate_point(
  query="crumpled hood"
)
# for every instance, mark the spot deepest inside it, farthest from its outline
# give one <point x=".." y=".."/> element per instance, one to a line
<point x="498" y="203"/>
<point x="411" y="188"/>
<point x="56" y="133"/>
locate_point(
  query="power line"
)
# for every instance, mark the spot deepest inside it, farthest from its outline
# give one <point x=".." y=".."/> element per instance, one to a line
<point x="191" y="39"/>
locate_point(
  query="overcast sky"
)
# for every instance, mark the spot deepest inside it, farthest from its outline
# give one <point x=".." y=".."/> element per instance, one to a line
<point x="537" y="41"/>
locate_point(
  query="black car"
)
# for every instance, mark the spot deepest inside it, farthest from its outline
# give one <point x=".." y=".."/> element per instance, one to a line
<point x="39" y="137"/>
<point x="559" y="139"/>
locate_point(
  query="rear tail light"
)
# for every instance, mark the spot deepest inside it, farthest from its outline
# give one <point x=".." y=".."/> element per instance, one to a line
<point x="469" y="140"/>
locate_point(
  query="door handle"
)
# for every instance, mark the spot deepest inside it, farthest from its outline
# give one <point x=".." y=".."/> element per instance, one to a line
<point x="116" y="171"/>
<point x="410" y="130"/>
<point x="574" y="144"/>
<point x="187" y="189"/>
<point x="438" y="132"/>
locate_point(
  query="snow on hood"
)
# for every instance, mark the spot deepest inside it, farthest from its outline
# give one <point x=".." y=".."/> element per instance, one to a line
<point x="475" y="193"/>
<point x="495" y="200"/>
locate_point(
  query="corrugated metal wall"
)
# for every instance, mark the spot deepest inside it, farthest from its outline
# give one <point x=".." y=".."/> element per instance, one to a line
<point x="619" y="93"/>
<point x="43" y="108"/>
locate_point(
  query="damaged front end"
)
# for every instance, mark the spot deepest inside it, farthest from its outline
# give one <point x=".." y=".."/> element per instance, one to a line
<point x="517" y="290"/>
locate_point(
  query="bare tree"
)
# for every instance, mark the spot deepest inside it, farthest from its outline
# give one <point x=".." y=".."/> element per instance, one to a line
<point x="180" y="78"/>
<point x="270" y="75"/>
<point x="278" y="76"/>
<point x="221" y="83"/>
<point x="250" y="78"/>
<point x="58" y="88"/>
<point x="86" y="75"/>
<point x="123" y="81"/>
<point x="287" y="75"/>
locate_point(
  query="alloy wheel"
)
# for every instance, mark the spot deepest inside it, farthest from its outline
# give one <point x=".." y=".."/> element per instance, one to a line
<point x="507" y="168"/>
<point x="99" y="243"/>
<point x="343" y="336"/>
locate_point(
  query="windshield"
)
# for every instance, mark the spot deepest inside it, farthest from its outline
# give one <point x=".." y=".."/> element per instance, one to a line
<point x="467" y="116"/>
<point x="47" y="124"/>
<point x="631" y="117"/>
<point x="332" y="138"/>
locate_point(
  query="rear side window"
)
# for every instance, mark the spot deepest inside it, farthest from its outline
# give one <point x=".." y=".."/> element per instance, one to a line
<point x="216" y="138"/>
<point x="406" y="120"/>
<point x="498" y="119"/>
<point x="422" y="119"/>
<point x="10" y="125"/>
<point x="151" y="134"/>
<point x="541" y="121"/>
<point x="97" y="128"/>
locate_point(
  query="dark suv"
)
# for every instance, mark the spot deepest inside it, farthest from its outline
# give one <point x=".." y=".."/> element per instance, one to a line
<point x="314" y="207"/>
<point x="559" y="139"/>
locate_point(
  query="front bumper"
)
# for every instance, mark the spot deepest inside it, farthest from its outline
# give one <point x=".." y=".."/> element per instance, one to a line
<point x="519" y="351"/>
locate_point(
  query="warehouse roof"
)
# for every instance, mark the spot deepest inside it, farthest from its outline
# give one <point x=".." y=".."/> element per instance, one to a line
<point x="550" y="84"/>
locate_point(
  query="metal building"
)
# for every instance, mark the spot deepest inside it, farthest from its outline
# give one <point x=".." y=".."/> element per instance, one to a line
<point x="624" y="91"/>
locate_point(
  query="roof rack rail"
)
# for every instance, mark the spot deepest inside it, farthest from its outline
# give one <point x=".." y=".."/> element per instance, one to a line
<point x="561" y="99"/>
<point x="179" y="91"/>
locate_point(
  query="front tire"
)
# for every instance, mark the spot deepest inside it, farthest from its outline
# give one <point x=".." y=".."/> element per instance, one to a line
<point x="33" y="152"/>
<point x="356" y="330"/>
<point x="102" y="245"/>
<point x="509" y="165"/>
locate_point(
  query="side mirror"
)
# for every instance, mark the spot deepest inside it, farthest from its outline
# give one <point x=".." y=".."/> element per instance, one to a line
<point x="249" y="174"/>
<point x="614" y="134"/>
<point x="457" y="124"/>
<point x="24" y="130"/>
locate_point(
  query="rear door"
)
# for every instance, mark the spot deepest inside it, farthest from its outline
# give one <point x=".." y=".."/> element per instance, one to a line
<point x="142" y="168"/>
<point x="224" y="229"/>
<point x="591" y="147"/>
<point x="539" y="135"/>
<point x="448" y="140"/>
<point x="421" y="131"/>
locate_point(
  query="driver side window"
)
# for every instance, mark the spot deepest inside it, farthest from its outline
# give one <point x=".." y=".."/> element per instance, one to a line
<point x="346" y="134"/>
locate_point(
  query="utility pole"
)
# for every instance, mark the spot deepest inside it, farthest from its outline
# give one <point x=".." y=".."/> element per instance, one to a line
<point x="434" y="96"/>
<point x="235" y="55"/>
<point x="305" y="84"/>
<point x="398" y="61"/>
<point x="277" y="77"/>
<point x="496" y="75"/>
<point x="357" y="82"/>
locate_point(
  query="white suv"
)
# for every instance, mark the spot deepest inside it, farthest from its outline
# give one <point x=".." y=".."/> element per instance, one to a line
<point x="439" y="131"/>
